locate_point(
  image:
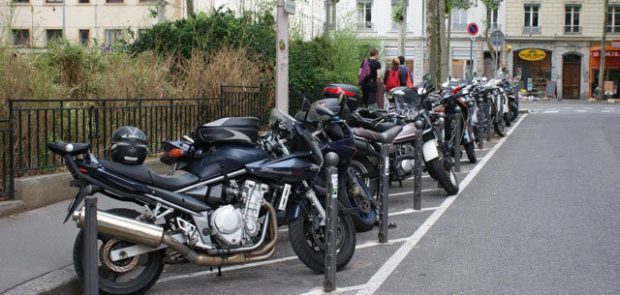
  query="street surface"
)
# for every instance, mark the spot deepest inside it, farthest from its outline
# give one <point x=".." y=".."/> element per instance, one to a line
<point x="538" y="214"/>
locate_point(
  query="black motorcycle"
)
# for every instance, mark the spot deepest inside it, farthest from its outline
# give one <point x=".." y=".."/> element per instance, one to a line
<point x="222" y="211"/>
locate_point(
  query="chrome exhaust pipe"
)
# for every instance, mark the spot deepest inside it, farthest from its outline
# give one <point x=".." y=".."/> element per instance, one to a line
<point x="138" y="232"/>
<point x="124" y="228"/>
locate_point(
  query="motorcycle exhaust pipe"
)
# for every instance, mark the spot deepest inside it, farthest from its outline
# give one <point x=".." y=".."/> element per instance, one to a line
<point x="138" y="232"/>
<point x="124" y="228"/>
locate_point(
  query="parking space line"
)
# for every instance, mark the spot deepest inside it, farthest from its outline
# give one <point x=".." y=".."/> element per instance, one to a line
<point x="411" y="192"/>
<point x="409" y="211"/>
<point x="394" y="261"/>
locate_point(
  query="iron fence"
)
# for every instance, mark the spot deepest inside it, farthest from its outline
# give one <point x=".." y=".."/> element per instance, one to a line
<point x="6" y="184"/>
<point x="32" y="124"/>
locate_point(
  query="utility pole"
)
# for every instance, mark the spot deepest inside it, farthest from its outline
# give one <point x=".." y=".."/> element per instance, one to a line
<point x="601" y="71"/>
<point x="282" y="55"/>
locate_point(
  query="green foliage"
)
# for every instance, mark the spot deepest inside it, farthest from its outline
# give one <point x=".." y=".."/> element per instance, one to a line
<point x="398" y="11"/>
<point x="208" y="33"/>
<point x="458" y="4"/>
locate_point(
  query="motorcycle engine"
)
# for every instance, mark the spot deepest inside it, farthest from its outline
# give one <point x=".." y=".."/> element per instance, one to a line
<point x="236" y="225"/>
<point x="406" y="159"/>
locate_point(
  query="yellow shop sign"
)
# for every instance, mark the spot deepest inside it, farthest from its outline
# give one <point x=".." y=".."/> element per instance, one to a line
<point x="532" y="54"/>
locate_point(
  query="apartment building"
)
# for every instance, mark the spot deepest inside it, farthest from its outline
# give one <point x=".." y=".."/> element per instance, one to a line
<point x="34" y="23"/>
<point x="555" y="43"/>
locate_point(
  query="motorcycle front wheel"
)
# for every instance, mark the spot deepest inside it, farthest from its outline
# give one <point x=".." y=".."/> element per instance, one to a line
<point x="134" y="275"/>
<point x="444" y="175"/>
<point x="308" y="239"/>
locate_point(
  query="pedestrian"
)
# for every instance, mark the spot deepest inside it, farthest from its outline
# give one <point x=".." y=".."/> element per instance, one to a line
<point x="394" y="77"/>
<point x="403" y="69"/>
<point x="369" y="74"/>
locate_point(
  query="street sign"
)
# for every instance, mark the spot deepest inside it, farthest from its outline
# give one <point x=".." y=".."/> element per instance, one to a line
<point x="289" y="7"/>
<point x="497" y="38"/>
<point x="472" y="29"/>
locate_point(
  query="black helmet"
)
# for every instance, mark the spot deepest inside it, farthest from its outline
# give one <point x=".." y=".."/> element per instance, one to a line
<point x="129" y="146"/>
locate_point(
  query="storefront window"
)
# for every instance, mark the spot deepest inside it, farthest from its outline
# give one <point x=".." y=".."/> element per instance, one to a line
<point x="537" y="72"/>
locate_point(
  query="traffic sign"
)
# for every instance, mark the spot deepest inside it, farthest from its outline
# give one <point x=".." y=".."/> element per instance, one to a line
<point x="472" y="29"/>
<point x="497" y="38"/>
<point x="289" y="7"/>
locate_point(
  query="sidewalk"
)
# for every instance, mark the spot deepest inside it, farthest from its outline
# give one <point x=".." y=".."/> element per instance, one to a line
<point x="36" y="243"/>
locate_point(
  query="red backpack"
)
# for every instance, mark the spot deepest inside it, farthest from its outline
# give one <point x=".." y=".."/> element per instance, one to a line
<point x="393" y="79"/>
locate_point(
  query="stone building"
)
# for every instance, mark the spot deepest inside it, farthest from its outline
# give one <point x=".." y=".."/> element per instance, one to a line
<point x="549" y="43"/>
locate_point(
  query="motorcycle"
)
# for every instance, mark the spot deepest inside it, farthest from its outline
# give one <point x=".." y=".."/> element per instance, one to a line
<point x="222" y="211"/>
<point x="326" y="118"/>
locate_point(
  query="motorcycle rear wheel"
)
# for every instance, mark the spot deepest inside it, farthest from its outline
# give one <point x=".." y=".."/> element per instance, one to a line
<point x="500" y="126"/>
<point x="470" y="150"/>
<point x="110" y="282"/>
<point x="308" y="239"/>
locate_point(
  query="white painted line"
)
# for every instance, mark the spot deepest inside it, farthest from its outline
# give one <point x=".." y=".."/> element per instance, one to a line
<point x="368" y="244"/>
<point x="392" y="263"/>
<point x="409" y="211"/>
<point x="551" y="112"/>
<point x="605" y="111"/>
<point x="582" y="111"/>
<point x="411" y="192"/>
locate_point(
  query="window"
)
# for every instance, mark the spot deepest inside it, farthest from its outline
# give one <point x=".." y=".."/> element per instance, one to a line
<point x="571" y="19"/>
<point x="493" y="20"/>
<point x="112" y="37"/>
<point x="53" y="1"/>
<point x="364" y="14"/>
<point x="459" y="20"/>
<point x="613" y="19"/>
<point x="530" y="24"/>
<point x="52" y="35"/>
<point x="84" y="1"/>
<point x="114" y="1"/>
<point x="21" y="38"/>
<point x="84" y="37"/>
<point x="21" y="1"/>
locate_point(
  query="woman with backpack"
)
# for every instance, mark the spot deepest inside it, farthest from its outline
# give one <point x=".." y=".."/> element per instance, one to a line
<point x="370" y="70"/>
<point x="394" y="77"/>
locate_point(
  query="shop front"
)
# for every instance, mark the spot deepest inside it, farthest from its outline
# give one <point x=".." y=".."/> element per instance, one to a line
<point x="533" y="67"/>
<point x="612" y="68"/>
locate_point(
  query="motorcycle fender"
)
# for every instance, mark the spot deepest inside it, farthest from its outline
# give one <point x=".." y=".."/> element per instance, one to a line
<point x="294" y="209"/>
<point x="429" y="150"/>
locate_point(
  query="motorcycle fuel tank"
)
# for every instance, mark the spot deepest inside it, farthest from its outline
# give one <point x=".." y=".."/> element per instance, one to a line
<point x="293" y="168"/>
<point x="225" y="159"/>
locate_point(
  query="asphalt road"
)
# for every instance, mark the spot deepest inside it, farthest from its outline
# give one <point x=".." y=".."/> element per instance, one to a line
<point x="538" y="216"/>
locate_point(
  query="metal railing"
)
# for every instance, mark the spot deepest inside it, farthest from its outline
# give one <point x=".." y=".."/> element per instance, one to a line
<point x="32" y="124"/>
<point x="6" y="177"/>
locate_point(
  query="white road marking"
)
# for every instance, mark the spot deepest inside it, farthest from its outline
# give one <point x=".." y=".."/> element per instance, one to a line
<point x="392" y="263"/>
<point x="368" y="244"/>
<point x="582" y="111"/>
<point x="551" y="111"/>
<point x="605" y="111"/>
<point x="411" y="192"/>
<point x="409" y="211"/>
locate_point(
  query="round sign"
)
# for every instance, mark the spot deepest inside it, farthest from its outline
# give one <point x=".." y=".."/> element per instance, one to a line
<point x="532" y="54"/>
<point x="472" y="29"/>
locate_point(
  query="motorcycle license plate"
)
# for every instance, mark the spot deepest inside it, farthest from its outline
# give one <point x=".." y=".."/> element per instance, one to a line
<point x="286" y="191"/>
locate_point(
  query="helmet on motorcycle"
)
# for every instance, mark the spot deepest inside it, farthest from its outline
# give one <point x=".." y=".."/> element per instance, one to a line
<point x="129" y="146"/>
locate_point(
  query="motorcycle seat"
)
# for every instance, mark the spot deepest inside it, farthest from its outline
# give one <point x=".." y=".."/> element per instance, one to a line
<point x="383" y="137"/>
<point x="144" y="175"/>
<point x="382" y="127"/>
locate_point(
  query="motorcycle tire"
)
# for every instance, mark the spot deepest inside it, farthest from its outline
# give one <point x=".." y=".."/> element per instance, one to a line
<point x="107" y="281"/>
<point x="366" y="216"/>
<point x="470" y="150"/>
<point x="514" y="110"/>
<point x="368" y="172"/>
<point x="309" y="244"/>
<point x="446" y="177"/>
<point x="500" y="127"/>
<point x="507" y="119"/>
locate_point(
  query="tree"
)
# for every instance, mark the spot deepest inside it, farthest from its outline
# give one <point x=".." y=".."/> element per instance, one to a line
<point x="435" y="32"/>
<point x="601" y="71"/>
<point x="399" y="15"/>
<point x="490" y="5"/>
<point x="450" y="6"/>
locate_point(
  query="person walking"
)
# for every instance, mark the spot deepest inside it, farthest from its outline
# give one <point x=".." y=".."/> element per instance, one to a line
<point x="405" y="71"/>
<point x="394" y="77"/>
<point x="369" y="74"/>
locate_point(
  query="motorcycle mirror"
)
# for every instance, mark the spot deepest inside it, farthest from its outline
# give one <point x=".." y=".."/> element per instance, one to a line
<point x="306" y="105"/>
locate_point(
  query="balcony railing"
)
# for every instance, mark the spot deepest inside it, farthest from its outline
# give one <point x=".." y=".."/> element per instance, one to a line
<point x="572" y="29"/>
<point x="531" y="30"/>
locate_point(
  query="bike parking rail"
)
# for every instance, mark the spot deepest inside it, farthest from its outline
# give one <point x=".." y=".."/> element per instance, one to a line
<point x="384" y="183"/>
<point x="331" y="204"/>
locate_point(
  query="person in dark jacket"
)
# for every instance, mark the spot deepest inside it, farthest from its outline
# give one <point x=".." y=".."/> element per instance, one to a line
<point x="369" y="83"/>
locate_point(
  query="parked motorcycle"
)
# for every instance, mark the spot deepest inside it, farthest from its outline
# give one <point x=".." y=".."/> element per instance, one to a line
<point x="222" y="211"/>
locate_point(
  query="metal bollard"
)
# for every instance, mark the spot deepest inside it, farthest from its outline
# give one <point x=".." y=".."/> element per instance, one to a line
<point x="91" y="273"/>
<point x="489" y="123"/>
<point x="331" y="202"/>
<point x="458" y="126"/>
<point x="383" y="190"/>
<point x="417" y="172"/>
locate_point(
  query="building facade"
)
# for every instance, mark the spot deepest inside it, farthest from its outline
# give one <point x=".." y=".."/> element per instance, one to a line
<point x="551" y="42"/>
<point x="33" y="23"/>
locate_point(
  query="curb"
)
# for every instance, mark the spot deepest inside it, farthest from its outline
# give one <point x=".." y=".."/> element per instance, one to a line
<point x="8" y="208"/>
<point x="61" y="281"/>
